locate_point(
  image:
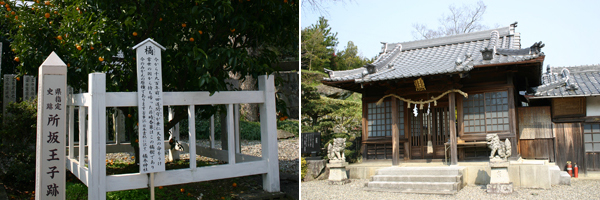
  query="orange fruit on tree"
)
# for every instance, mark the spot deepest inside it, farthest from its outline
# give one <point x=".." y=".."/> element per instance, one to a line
<point x="200" y="32"/>
<point x="47" y="15"/>
<point x="100" y="59"/>
<point x="59" y="37"/>
<point x="160" y="19"/>
<point x="95" y="32"/>
<point x="232" y="30"/>
<point x="284" y="1"/>
<point x="182" y="190"/>
<point x="137" y="141"/>
<point x="78" y="47"/>
<point x="92" y="48"/>
<point x="129" y="115"/>
<point x="17" y="59"/>
<point x="134" y="33"/>
<point x="222" y="197"/>
<point x="160" y="187"/>
<point x="18" y="78"/>
<point x="183" y="25"/>
<point x="2" y="3"/>
<point x="68" y="64"/>
<point x="234" y="184"/>
<point x="191" y="39"/>
<point x="17" y="17"/>
<point x="189" y="194"/>
<point x="47" y="3"/>
<point x="7" y="9"/>
<point x="50" y="22"/>
<point x="12" y="13"/>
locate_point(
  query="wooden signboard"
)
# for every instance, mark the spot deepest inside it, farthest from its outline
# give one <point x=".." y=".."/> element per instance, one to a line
<point x="150" y="106"/>
<point x="51" y="130"/>
<point x="568" y="107"/>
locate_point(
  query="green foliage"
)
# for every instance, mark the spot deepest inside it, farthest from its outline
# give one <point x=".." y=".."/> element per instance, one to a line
<point x="76" y="191"/>
<point x="349" y="58"/>
<point x="244" y="37"/>
<point x="17" y="146"/>
<point x="318" y="43"/>
<point x="303" y="167"/>
<point x="289" y="125"/>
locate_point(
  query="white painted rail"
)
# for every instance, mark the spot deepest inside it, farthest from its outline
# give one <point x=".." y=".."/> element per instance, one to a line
<point x="97" y="100"/>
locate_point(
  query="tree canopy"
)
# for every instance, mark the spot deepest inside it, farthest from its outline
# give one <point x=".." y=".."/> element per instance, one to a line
<point x="205" y="39"/>
<point x="463" y="19"/>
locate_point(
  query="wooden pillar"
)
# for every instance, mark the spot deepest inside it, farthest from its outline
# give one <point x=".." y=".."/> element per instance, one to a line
<point x="451" y="123"/>
<point x="365" y="129"/>
<point x="395" y="133"/>
<point x="407" y="134"/>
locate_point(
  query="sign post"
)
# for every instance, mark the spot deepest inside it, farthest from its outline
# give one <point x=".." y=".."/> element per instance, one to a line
<point x="51" y="129"/>
<point x="150" y="108"/>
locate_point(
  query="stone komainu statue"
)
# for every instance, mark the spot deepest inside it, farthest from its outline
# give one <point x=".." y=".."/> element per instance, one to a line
<point x="503" y="149"/>
<point x="335" y="151"/>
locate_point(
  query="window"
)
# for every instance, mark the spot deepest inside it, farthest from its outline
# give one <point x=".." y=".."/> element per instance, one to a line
<point x="380" y="119"/>
<point x="486" y="112"/>
<point x="591" y="137"/>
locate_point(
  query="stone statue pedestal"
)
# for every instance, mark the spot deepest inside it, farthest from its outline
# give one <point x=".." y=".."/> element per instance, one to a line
<point x="337" y="172"/>
<point x="499" y="179"/>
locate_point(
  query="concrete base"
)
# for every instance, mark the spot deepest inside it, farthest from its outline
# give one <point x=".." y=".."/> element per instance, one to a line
<point x="500" y="188"/>
<point x="337" y="170"/>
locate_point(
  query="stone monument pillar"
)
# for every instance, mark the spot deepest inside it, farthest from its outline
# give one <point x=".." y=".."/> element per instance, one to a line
<point x="499" y="179"/>
<point x="337" y="161"/>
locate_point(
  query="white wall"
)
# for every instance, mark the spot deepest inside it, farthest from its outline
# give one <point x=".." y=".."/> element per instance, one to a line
<point x="592" y="106"/>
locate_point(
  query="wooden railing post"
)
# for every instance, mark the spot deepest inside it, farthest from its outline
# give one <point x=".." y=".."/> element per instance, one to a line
<point x="268" y="137"/>
<point x="97" y="136"/>
<point x="230" y="135"/>
<point x="192" y="135"/>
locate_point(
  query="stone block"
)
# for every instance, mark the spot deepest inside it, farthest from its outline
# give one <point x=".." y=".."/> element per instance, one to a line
<point x="554" y="175"/>
<point x="535" y="176"/>
<point x="477" y="175"/>
<point x="337" y="174"/>
<point x="565" y="178"/>
<point x="514" y="175"/>
<point x="314" y="169"/>
<point x="499" y="175"/>
<point x="500" y="188"/>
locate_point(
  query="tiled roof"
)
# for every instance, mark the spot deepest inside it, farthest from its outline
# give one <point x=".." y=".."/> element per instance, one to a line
<point x="569" y="82"/>
<point x="452" y="54"/>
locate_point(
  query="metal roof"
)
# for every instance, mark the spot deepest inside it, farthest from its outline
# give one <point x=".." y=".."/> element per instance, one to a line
<point x="574" y="81"/>
<point x="445" y="55"/>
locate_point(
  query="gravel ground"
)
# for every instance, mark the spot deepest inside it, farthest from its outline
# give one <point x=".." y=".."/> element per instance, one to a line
<point x="288" y="153"/>
<point x="579" y="189"/>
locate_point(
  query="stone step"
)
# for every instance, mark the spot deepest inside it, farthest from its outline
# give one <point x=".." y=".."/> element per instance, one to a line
<point x="442" y="192"/>
<point x="415" y="186"/>
<point x="420" y="171"/>
<point x="417" y="178"/>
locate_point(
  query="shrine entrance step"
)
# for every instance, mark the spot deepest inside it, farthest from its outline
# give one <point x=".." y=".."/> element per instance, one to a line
<point x="425" y="180"/>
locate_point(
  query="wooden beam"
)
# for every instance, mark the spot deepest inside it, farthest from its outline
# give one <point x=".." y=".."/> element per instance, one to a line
<point x="395" y="133"/>
<point x="452" y="119"/>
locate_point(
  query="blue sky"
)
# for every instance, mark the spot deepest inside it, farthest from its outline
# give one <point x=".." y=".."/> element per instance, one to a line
<point x="570" y="29"/>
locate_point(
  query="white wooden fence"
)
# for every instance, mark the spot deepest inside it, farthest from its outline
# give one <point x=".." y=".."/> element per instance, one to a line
<point x="97" y="100"/>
